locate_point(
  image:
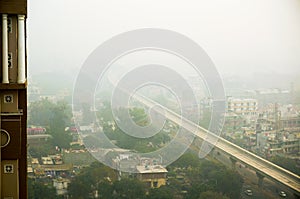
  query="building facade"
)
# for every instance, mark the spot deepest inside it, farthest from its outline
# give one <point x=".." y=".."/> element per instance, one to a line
<point x="245" y="107"/>
<point x="13" y="99"/>
<point x="154" y="176"/>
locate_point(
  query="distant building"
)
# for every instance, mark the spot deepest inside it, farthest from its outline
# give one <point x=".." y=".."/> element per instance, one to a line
<point x="233" y="122"/>
<point x="47" y="160"/>
<point x="266" y="96"/>
<point x="35" y="130"/>
<point x="245" y="107"/>
<point x="61" y="185"/>
<point x="52" y="169"/>
<point x="38" y="139"/>
<point x="289" y="117"/>
<point x="154" y="175"/>
<point x="249" y="135"/>
<point x="275" y="116"/>
<point x="282" y="144"/>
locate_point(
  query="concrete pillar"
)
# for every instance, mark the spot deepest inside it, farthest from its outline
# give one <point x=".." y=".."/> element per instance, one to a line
<point x="233" y="162"/>
<point x="5" y="79"/>
<point x="260" y="179"/>
<point x="21" y="49"/>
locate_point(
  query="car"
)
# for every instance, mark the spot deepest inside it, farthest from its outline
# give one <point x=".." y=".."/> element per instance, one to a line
<point x="248" y="192"/>
<point x="282" y="194"/>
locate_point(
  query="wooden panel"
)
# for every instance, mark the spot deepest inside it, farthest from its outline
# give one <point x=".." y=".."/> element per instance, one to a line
<point x="23" y="145"/>
<point x="10" y="106"/>
<point x="12" y="86"/>
<point x="10" y="182"/>
<point x="12" y="126"/>
<point x="13" y="6"/>
<point x="0" y="47"/>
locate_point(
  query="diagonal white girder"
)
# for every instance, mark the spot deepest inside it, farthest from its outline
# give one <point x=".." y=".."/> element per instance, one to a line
<point x="259" y="164"/>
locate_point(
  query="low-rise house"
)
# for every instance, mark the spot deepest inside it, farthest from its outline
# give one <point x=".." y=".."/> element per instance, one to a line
<point x="61" y="185"/>
<point x="154" y="176"/>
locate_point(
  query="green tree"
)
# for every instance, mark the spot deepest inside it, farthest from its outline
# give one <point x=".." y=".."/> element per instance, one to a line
<point x="59" y="119"/>
<point x="163" y="192"/>
<point x="39" y="112"/>
<point x="212" y="195"/>
<point x="55" y="117"/>
<point x="290" y="164"/>
<point x="105" y="189"/>
<point x="206" y="117"/>
<point x="129" y="142"/>
<point x="187" y="160"/>
<point x="42" y="149"/>
<point x="90" y="179"/>
<point x="202" y="175"/>
<point x="37" y="190"/>
<point x="221" y="179"/>
<point x="129" y="188"/>
<point x="87" y="114"/>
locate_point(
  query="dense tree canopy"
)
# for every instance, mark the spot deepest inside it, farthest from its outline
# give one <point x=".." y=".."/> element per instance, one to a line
<point x="37" y="190"/>
<point x="199" y="179"/>
<point x="43" y="111"/>
<point x="291" y="164"/>
<point x="90" y="179"/>
<point x="212" y="195"/>
<point x="55" y="117"/>
<point x="123" y="140"/>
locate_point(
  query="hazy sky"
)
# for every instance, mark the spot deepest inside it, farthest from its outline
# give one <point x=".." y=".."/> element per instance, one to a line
<point x="241" y="36"/>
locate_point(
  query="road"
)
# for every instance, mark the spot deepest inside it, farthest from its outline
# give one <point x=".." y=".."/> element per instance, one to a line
<point x="269" y="188"/>
<point x="256" y="163"/>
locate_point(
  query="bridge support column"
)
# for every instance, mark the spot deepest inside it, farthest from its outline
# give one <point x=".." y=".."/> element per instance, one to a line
<point x="212" y="153"/>
<point x="260" y="179"/>
<point x="233" y="162"/>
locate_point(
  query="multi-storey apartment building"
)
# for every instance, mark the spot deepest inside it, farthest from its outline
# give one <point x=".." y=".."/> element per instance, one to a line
<point x="13" y="99"/>
<point x="247" y="107"/>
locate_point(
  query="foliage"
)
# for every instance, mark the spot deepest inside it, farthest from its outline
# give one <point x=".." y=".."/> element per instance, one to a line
<point x="200" y="179"/>
<point x="204" y="175"/>
<point x="87" y="114"/>
<point x="90" y="179"/>
<point x="55" y="117"/>
<point x="41" y="112"/>
<point x="163" y="192"/>
<point x="287" y="163"/>
<point x="129" y="188"/>
<point x="212" y="195"/>
<point x="206" y="117"/>
<point x="113" y="132"/>
<point x="187" y="160"/>
<point x="37" y="190"/>
<point x="42" y="150"/>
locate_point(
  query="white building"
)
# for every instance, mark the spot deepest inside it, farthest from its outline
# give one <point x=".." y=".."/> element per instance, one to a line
<point x="245" y="107"/>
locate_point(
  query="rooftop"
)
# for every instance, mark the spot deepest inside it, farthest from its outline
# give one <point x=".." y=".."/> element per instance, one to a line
<point x="151" y="169"/>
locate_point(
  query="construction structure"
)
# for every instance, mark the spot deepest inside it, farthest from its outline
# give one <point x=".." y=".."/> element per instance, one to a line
<point x="13" y="99"/>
